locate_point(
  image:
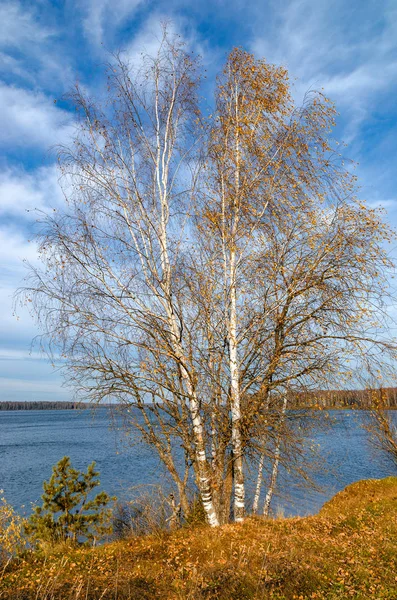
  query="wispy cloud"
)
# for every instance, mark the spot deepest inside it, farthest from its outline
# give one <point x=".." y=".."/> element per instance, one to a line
<point x="349" y="49"/>
<point x="102" y="16"/>
<point x="11" y="354"/>
<point x="29" y="385"/>
<point x="19" y="26"/>
<point x="32" y="50"/>
<point x="31" y="389"/>
<point x="29" y="119"/>
<point x="388" y="204"/>
<point x="22" y="193"/>
<point x="14" y="247"/>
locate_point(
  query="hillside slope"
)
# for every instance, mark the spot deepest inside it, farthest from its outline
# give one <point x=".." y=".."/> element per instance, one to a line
<point x="348" y="550"/>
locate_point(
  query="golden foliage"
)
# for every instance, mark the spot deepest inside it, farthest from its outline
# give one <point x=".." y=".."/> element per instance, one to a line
<point x="11" y="530"/>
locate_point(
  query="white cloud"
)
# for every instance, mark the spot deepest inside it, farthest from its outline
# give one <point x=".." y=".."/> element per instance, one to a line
<point x="15" y="330"/>
<point x="29" y="119"/>
<point x="31" y="386"/>
<point x="388" y="204"/>
<point x="14" y="247"/>
<point x="147" y="41"/>
<point x="29" y="49"/>
<point x="21" y="192"/>
<point x="18" y="26"/>
<point x="11" y="354"/>
<point x="354" y="64"/>
<point x="9" y="64"/>
<point x="102" y="17"/>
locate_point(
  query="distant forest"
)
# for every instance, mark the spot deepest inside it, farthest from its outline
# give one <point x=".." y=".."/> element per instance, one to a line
<point x="44" y="405"/>
<point x="358" y="399"/>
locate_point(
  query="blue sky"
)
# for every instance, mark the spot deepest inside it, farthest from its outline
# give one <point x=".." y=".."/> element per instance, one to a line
<point x="347" y="48"/>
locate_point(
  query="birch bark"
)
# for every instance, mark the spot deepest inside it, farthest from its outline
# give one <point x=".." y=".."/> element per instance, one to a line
<point x="255" y="504"/>
<point x="273" y="478"/>
<point x="239" y="485"/>
<point x="162" y="162"/>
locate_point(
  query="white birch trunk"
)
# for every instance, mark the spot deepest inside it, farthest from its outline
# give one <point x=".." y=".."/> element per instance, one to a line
<point x="163" y="157"/>
<point x="273" y="479"/>
<point x="255" y="504"/>
<point x="204" y="476"/>
<point x="239" y="487"/>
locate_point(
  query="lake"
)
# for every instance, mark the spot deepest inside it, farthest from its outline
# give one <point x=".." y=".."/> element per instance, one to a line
<point x="32" y="441"/>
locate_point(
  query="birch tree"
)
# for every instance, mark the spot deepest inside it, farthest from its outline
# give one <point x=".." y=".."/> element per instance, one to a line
<point x="302" y="261"/>
<point x="201" y="267"/>
<point x="109" y="296"/>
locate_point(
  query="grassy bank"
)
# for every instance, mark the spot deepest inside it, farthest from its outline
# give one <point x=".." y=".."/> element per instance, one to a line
<point x="348" y="550"/>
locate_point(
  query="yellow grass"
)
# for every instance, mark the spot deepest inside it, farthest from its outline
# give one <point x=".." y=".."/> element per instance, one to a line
<point x="348" y="550"/>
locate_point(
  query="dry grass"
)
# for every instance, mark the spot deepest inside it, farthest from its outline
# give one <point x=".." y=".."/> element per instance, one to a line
<point x="348" y="550"/>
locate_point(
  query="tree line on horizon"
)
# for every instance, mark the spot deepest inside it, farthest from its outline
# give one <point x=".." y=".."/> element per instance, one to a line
<point x="359" y="399"/>
<point x="40" y="405"/>
<point x="321" y="399"/>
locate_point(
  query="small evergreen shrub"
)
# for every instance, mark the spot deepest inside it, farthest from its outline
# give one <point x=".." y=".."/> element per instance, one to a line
<point x="67" y="513"/>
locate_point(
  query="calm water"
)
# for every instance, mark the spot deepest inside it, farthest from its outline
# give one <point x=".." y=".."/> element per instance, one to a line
<point x="32" y="441"/>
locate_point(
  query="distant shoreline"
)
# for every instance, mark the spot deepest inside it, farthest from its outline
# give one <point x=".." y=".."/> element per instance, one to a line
<point x="44" y="405"/>
<point x="62" y="405"/>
